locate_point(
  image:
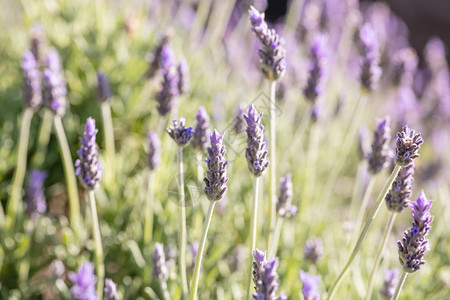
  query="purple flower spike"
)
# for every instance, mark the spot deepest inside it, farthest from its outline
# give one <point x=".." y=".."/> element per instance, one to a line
<point x="38" y="42"/>
<point x="183" y="76"/>
<point x="310" y="288"/>
<point x="414" y="243"/>
<point x="154" y="151"/>
<point x="32" y="93"/>
<point x="110" y="290"/>
<point x="167" y="57"/>
<point x="239" y="121"/>
<point x="313" y="250"/>
<point x="84" y="283"/>
<point x="381" y="153"/>
<point x="284" y="204"/>
<point x="265" y="277"/>
<point x="389" y="284"/>
<point x="88" y="166"/>
<point x="370" y="69"/>
<point x="404" y="66"/>
<point x="169" y="91"/>
<point x="103" y="91"/>
<point x="201" y="133"/>
<point x="363" y="143"/>
<point x="160" y="269"/>
<point x="256" y="153"/>
<point x="407" y="146"/>
<point x="216" y="175"/>
<point x="179" y="133"/>
<point x="157" y="57"/>
<point x="272" y="53"/>
<point x="435" y="55"/>
<point x="54" y="84"/>
<point x="316" y="71"/>
<point x="401" y="190"/>
<point x="34" y="194"/>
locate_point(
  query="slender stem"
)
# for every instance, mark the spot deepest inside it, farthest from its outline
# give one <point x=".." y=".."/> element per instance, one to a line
<point x="19" y="174"/>
<point x="376" y="265"/>
<point x="201" y="248"/>
<point x="165" y="290"/>
<point x="273" y="162"/>
<point x="199" y="168"/>
<point x="253" y="223"/>
<point x="359" y="178"/>
<point x="293" y="14"/>
<point x="148" y="221"/>
<point x="182" y="256"/>
<point x="45" y="132"/>
<point x="276" y="240"/>
<point x="364" y="231"/>
<point x="200" y="19"/>
<point x="399" y="286"/>
<point x="69" y="173"/>
<point x="98" y="247"/>
<point x="363" y="208"/>
<point x="108" y="131"/>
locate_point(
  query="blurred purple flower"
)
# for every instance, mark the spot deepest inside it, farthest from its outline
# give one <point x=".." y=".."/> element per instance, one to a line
<point x="389" y="284"/>
<point x="310" y="288"/>
<point x="32" y="93"/>
<point x="200" y="138"/>
<point x="285" y="208"/>
<point x="370" y="59"/>
<point x="313" y="250"/>
<point x="38" y="42"/>
<point x="34" y="193"/>
<point x="84" y="283"/>
<point x="154" y="150"/>
<point x="110" y="290"/>
<point x="183" y="76"/>
<point x="380" y="154"/>
<point x="54" y="84"/>
<point x="160" y="269"/>
<point x="103" y="91"/>
<point x="265" y="277"/>
<point x="316" y="69"/>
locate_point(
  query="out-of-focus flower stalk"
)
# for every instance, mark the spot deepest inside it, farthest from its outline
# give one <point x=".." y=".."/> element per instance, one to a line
<point x="273" y="162"/>
<point x="45" y="132"/>
<point x="98" y="246"/>
<point x="398" y="289"/>
<point x="253" y="218"/>
<point x="108" y="131"/>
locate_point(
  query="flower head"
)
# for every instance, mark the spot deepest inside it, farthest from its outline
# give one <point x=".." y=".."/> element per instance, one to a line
<point x="103" y="91"/>
<point x="404" y="66"/>
<point x="414" y="243"/>
<point x="154" y="150"/>
<point x="84" y="283"/>
<point x="160" y="269"/>
<point x="168" y="92"/>
<point x="316" y="71"/>
<point x="407" y="146"/>
<point x="310" y="288"/>
<point x="370" y="69"/>
<point x="157" y="56"/>
<point x="401" y="189"/>
<point x="88" y="166"/>
<point x="201" y="134"/>
<point x="216" y="178"/>
<point x="239" y="121"/>
<point x="363" y="143"/>
<point x="272" y="53"/>
<point x="183" y="76"/>
<point x="380" y="154"/>
<point x="179" y="133"/>
<point x="284" y="204"/>
<point x="256" y="152"/>
<point x="34" y="194"/>
<point x="265" y="277"/>
<point x="38" y="42"/>
<point x="110" y="290"/>
<point x="389" y="284"/>
<point x="54" y="84"/>
<point x="313" y="250"/>
<point x="32" y="93"/>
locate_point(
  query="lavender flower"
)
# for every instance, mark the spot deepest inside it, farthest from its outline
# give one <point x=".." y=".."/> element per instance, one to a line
<point x="179" y="133"/>
<point x="88" y="166"/>
<point x="154" y="150"/>
<point x="160" y="269"/>
<point x="316" y="70"/>
<point x="169" y="90"/>
<point x="110" y="290"/>
<point x="389" y="284"/>
<point x="363" y="143"/>
<point x="284" y="204"/>
<point x="435" y="55"/>
<point x="272" y="53"/>
<point x="83" y="283"/>
<point x="313" y="250"/>
<point x="237" y="258"/>
<point x="38" y="42"/>
<point x="380" y="154"/>
<point x="157" y="56"/>
<point x="54" y="84"/>
<point x="34" y="194"/>
<point x="398" y="195"/>
<point x="407" y="146"/>
<point x="103" y="91"/>
<point x="414" y="244"/>
<point x="32" y="94"/>
<point x="216" y="175"/>
<point x="256" y="153"/>
<point x="167" y="59"/>
<point x="310" y="288"/>
<point x="404" y="66"/>
<point x="239" y="121"/>
<point x="265" y="277"/>
<point x="201" y="134"/>
<point x="370" y="70"/>
<point x="183" y="76"/>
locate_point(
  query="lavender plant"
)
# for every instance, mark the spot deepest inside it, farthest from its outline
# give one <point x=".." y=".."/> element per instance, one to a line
<point x="370" y="69"/>
<point x="160" y="269"/>
<point x="310" y="288"/>
<point x="389" y="284"/>
<point x="265" y="277"/>
<point x="84" y="283"/>
<point x="313" y="250"/>
<point x="110" y="290"/>
<point x="89" y="170"/>
<point x="200" y="137"/>
<point x="34" y="193"/>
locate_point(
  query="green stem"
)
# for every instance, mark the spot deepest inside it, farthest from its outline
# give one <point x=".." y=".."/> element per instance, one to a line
<point x="165" y="290"/>
<point x="110" y="150"/>
<point x="252" y="244"/>
<point x="376" y="265"/>
<point x="199" y="168"/>
<point x="399" y="286"/>
<point x="98" y="247"/>
<point x="273" y="162"/>
<point x="69" y="173"/>
<point x="182" y="255"/>
<point x="13" y="207"/>
<point x="148" y="221"/>
<point x="278" y="227"/>
<point x="201" y="248"/>
<point x="364" y="231"/>
<point x="45" y="132"/>
<point x="363" y="208"/>
<point x="293" y="14"/>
